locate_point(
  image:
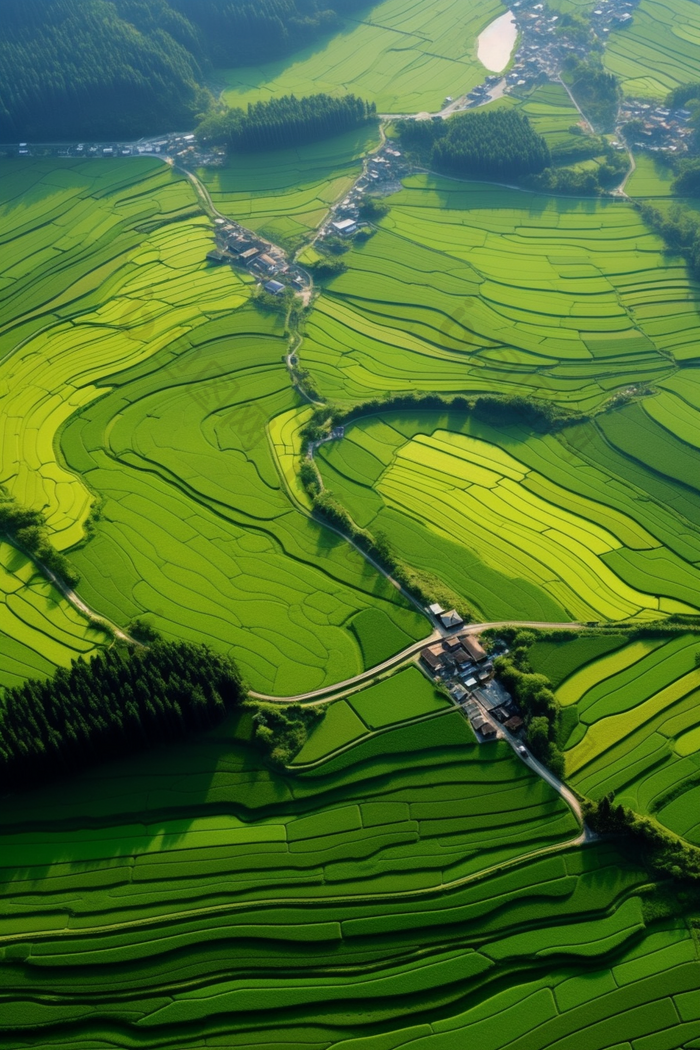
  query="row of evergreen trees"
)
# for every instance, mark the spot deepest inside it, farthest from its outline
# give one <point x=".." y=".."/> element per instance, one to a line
<point x="286" y="121"/>
<point x="125" y="699"/>
<point x="119" y="69"/>
<point x="494" y="144"/>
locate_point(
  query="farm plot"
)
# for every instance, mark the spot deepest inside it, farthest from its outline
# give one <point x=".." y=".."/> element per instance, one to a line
<point x="405" y="55"/>
<point x="472" y="288"/>
<point x="286" y="194"/>
<point x="650" y="178"/>
<point x="511" y="521"/>
<point x="39" y="629"/>
<point x="659" y="50"/>
<point x="195" y="895"/>
<point x="635" y="729"/>
<point x="196" y="528"/>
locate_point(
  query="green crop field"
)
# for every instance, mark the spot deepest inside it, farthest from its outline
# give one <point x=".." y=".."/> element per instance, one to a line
<point x="405" y="55"/>
<point x="285" y="194"/>
<point x="520" y="525"/>
<point x="195" y="898"/>
<point x="397" y="884"/>
<point x="650" y="178"/>
<point x="476" y="288"/>
<point x="39" y="629"/>
<point x="159" y="397"/>
<point x="658" y="50"/>
<point x="278" y="902"/>
<point x="635" y="729"/>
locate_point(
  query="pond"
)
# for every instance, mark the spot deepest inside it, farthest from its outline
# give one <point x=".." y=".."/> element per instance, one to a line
<point x="496" y="42"/>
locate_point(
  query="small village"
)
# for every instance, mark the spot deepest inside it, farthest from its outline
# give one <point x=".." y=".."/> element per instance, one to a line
<point x="462" y="665"/>
<point x="381" y="176"/>
<point x="656" y="128"/>
<point x="238" y="246"/>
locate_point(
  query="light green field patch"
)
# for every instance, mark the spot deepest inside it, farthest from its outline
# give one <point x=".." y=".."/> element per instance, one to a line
<point x="509" y="527"/>
<point x="688" y="743"/>
<point x="340" y="726"/>
<point x="659" y="50"/>
<point x="468" y="288"/>
<point x="571" y="691"/>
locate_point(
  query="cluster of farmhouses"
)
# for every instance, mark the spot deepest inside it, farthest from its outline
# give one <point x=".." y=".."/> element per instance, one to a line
<point x="463" y="665"/>
<point x="267" y="262"/>
<point x="381" y="176"/>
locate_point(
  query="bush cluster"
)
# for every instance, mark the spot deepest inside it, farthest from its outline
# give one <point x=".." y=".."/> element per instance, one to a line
<point x="283" y="729"/>
<point x="533" y="693"/>
<point x="27" y="530"/>
<point x="680" y="229"/>
<point x="125" y="699"/>
<point x="668" y="854"/>
<point x="597" y="92"/>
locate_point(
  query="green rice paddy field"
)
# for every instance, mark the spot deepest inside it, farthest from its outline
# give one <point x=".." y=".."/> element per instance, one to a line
<point x="659" y="50"/>
<point x="398" y="884"/>
<point x="152" y="405"/>
<point x="632" y="726"/>
<point x="195" y="898"/>
<point x="285" y="194"/>
<point x="474" y="288"/>
<point x="579" y="526"/>
<point x="405" y="55"/>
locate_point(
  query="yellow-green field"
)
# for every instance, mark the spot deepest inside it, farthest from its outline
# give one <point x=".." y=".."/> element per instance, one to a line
<point x="470" y="288"/>
<point x="633" y="728"/>
<point x="659" y="50"/>
<point x="140" y="384"/>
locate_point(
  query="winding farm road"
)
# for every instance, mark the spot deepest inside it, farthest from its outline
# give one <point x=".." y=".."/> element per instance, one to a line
<point x="330" y="692"/>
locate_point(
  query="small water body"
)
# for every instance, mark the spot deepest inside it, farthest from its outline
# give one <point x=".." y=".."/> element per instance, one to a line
<point x="495" y="44"/>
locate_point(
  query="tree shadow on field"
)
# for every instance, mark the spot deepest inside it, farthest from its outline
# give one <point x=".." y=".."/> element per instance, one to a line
<point x="257" y="77"/>
<point x="534" y="203"/>
<point x="88" y="831"/>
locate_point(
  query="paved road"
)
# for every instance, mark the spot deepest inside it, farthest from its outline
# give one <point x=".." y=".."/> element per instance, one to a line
<point x="329" y="691"/>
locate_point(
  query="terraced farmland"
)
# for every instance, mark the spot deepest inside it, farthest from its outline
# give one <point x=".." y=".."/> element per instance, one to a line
<point x="405" y="55"/>
<point x="39" y="629"/>
<point x="659" y="50"/>
<point x="633" y="727"/>
<point x="520" y="525"/>
<point x="194" y="896"/>
<point x="161" y="395"/>
<point x="475" y="288"/>
<point x="285" y="194"/>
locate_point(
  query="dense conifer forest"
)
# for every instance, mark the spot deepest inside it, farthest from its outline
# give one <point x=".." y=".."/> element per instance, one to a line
<point x="286" y="121"/>
<point x="111" y="69"/>
<point x="124" y="700"/>
<point x="494" y="144"/>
